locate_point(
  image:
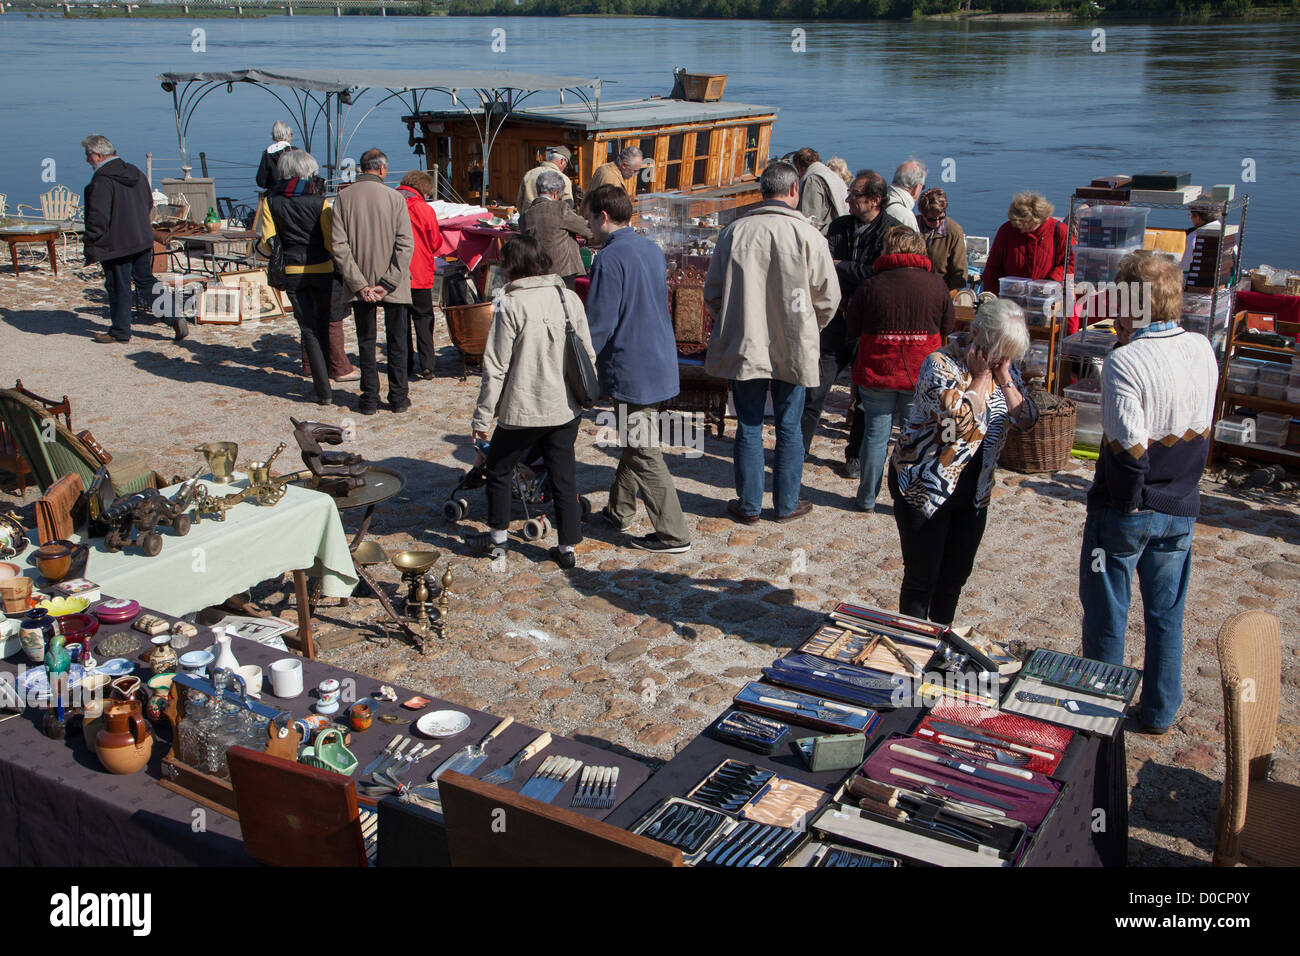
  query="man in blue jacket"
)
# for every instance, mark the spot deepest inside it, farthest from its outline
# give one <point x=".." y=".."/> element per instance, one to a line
<point x="636" y="358"/>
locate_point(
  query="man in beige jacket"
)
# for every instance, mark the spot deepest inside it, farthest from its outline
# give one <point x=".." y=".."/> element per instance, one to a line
<point x="772" y="287"/>
<point x="557" y="159"/>
<point x="372" y="245"/>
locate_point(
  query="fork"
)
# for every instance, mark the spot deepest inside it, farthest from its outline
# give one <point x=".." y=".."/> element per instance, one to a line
<point x="411" y="759"/>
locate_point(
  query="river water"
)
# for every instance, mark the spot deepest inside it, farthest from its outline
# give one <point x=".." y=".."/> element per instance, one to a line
<point x="991" y="108"/>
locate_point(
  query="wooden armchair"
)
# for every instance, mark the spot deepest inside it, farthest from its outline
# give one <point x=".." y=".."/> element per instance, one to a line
<point x="291" y="814"/>
<point x="1257" y="816"/>
<point x="62" y="207"/>
<point x="51" y="450"/>
<point x="11" y="458"/>
<point x="492" y="826"/>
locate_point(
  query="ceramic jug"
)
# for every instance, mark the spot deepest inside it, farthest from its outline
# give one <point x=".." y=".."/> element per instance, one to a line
<point x="225" y="656"/>
<point x="124" y="743"/>
<point x="37" y="630"/>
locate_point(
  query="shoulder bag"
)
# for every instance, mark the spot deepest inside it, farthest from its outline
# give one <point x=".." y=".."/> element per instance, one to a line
<point x="579" y="373"/>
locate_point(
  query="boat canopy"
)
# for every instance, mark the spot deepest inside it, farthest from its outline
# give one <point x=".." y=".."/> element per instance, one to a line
<point x="488" y="97"/>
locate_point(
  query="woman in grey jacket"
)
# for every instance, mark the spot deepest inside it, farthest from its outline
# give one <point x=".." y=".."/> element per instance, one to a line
<point x="524" y="389"/>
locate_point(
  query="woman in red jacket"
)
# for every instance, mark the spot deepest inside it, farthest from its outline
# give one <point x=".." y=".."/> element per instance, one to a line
<point x="902" y="314"/>
<point x="1030" y="244"/>
<point x="418" y="188"/>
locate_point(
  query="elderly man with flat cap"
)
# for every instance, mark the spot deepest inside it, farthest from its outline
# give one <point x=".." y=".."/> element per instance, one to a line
<point x="558" y="159"/>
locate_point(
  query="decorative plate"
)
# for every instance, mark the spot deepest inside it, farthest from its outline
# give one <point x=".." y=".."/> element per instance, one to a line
<point x="9" y="570"/>
<point x="442" y="723"/>
<point x="117" y="611"/>
<point x="117" y="667"/>
<point x="35" y="682"/>
<point x="60" y="606"/>
<point x="119" y="645"/>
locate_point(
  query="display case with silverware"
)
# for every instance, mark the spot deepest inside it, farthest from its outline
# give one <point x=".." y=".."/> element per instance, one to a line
<point x="1073" y="673"/>
<point x="747" y="843"/>
<point x="762" y="735"/>
<point x="683" y="824"/>
<point x="1087" y="710"/>
<point x="820" y="713"/>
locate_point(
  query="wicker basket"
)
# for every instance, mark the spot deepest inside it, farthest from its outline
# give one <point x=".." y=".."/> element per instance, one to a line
<point x="1046" y="446"/>
<point x="468" y="325"/>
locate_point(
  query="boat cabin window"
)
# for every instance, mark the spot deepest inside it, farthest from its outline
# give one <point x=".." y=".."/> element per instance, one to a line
<point x="703" y="146"/>
<point x="673" y="165"/>
<point x="751" y="149"/>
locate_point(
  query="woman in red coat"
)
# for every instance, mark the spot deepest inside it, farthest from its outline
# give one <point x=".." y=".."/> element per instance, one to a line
<point x="1030" y="244"/>
<point x="418" y="187"/>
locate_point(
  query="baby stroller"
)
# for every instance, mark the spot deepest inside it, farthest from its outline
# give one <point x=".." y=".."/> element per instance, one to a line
<point x="530" y="486"/>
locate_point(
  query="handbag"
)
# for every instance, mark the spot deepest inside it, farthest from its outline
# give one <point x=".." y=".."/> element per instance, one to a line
<point x="579" y="373"/>
<point x="276" y="277"/>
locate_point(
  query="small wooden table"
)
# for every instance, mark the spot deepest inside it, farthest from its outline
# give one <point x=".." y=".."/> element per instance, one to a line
<point x="215" y="263"/>
<point x="19" y="235"/>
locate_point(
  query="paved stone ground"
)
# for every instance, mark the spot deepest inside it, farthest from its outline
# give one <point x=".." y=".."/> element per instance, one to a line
<point x="637" y="651"/>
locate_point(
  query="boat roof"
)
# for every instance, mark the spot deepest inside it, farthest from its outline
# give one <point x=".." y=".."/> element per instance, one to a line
<point x="620" y="114"/>
<point x="338" y="81"/>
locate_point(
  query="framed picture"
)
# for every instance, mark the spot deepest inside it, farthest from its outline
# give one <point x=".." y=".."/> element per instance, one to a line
<point x="220" y="305"/>
<point x="283" y="298"/>
<point x="495" y="281"/>
<point x="258" y="301"/>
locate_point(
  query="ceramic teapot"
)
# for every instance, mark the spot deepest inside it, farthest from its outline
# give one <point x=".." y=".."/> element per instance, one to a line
<point x="124" y="743"/>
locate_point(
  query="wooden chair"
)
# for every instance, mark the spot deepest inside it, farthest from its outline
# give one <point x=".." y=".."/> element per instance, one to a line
<point x="1257" y="816"/>
<point x="62" y="207"/>
<point x="51" y="450"/>
<point x="294" y="815"/>
<point x="492" y="826"/>
<point x="11" y="458"/>
<point x="4" y="205"/>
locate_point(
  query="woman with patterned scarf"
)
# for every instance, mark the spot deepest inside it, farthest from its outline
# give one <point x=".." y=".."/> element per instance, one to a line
<point x="941" y="476"/>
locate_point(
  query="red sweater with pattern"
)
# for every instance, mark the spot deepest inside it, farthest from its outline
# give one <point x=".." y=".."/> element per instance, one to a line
<point x="899" y="316"/>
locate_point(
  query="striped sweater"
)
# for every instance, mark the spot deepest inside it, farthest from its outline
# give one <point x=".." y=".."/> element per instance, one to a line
<point x="1157" y="407"/>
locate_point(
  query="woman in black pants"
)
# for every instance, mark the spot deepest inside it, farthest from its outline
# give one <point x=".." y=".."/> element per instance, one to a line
<point x="524" y="389"/>
<point x="297" y="212"/>
<point x="941" y="476"/>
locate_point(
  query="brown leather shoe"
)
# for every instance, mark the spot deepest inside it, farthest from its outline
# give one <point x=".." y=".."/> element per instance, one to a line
<point x="103" y="338"/>
<point x="801" y="509"/>
<point x="733" y="509"/>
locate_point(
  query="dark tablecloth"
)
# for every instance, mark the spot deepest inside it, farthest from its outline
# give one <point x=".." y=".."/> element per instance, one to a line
<point x="63" y="808"/>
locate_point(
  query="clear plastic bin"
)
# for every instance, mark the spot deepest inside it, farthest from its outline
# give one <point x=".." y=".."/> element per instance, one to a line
<point x="1035" y="361"/>
<point x="1236" y="429"/>
<point x="1086" y="391"/>
<point x="1013" y="287"/>
<point x="1274" y="373"/>
<point x="1044" y="288"/>
<point x="1038" y="310"/>
<point x="1293" y="394"/>
<point x="1089" y="344"/>
<point x="1268" y="436"/>
<point x="1112" y="227"/>
<point x="1272" y="421"/>
<point x="1087" y="436"/>
<point x="1274" y="392"/>
<point x="1097" y="265"/>
<point x="1198" y="303"/>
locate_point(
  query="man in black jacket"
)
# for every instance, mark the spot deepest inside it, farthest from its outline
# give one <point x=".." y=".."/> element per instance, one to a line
<point x="118" y="235"/>
<point x="856" y="241"/>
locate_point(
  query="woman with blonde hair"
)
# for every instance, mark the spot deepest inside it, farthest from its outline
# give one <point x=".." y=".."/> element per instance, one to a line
<point x="1031" y="244"/>
<point x="841" y="169"/>
<point x="968" y="396"/>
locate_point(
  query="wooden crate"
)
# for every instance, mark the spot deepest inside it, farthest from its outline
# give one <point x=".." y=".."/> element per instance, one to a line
<point x="703" y="87"/>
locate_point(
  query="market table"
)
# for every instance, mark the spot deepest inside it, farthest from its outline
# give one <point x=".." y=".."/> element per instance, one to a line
<point x="301" y="533"/>
<point x="209" y="241"/>
<point x="19" y="235"/>
<point x="65" y="809"/>
<point x="1285" y="307"/>
<point x="1093" y="769"/>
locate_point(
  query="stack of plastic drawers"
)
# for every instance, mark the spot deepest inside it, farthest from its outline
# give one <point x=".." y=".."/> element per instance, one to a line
<point x="1106" y="235"/>
<point x="1038" y="297"/>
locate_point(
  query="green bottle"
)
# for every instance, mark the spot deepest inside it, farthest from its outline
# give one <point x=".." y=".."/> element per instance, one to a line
<point x="211" y="216"/>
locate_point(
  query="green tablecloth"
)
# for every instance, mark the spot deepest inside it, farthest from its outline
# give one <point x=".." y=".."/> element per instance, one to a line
<point x="218" y="559"/>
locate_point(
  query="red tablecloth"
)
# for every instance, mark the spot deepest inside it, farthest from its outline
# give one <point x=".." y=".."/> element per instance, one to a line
<point x="469" y="242"/>
<point x="581" y="285"/>
<point x="1285" y="307"/>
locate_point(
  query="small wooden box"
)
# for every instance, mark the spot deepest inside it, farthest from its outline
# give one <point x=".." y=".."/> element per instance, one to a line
<point x="703" y="87"/>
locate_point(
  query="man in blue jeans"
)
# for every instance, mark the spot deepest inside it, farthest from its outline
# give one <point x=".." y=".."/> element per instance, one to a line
<point x="1157" y="405"/>
<point x="772" y="287"/>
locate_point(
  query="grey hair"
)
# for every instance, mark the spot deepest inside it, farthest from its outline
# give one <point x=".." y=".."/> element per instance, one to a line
<point x="373" y="160"/>
<point x="98" y="145"/>
<point x="910" y="174"/>
<point x="778" y="179"/>
<point x="281" y="132"/>
<point x="1000" y="329"/>
<point x="297" y="164"/>
<point x="629" y="155"/>
<point x="550" y="182"/>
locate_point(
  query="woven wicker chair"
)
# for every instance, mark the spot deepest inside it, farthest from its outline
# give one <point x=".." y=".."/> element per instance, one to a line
<point x="52" y="450"/>
<point x="1257" y="816"/>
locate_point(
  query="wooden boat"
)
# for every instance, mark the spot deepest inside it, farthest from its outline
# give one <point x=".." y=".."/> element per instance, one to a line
<point x="708" y="149"/>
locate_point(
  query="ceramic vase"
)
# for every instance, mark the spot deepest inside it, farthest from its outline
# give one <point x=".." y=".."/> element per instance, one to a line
<point x="124" y="743"/>
<point x="225" y="656"/>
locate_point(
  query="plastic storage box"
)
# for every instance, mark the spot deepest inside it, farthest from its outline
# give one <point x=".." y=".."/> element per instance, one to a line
<point x="1013" y="288"/>
<point x="1086" y="395"/>
<point x="1097" y="265"/>
<point x="1236" y="429"/>
<point x="1113" y="227"/>
<point x="1274" y="373"/>
<point x="1198" y="303"/>
<point x="1035" y="361"/>
<point x="1272" y="429"/>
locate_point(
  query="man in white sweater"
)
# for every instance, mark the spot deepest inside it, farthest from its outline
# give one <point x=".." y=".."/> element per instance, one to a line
<point x="1157" y="407"/>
